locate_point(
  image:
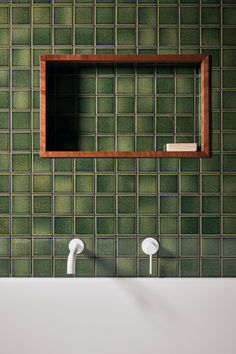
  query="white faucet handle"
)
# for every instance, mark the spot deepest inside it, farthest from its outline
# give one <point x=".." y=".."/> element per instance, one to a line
<point x="150" y="246"/>
<point x="76" y="246"/>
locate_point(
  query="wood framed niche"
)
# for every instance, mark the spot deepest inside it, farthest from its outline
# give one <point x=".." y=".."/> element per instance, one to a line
<point x="123" y="105"/>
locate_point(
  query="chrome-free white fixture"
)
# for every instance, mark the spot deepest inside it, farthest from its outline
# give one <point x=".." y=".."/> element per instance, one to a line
<point x="181" y="147"/>
<point x="150" y="246"/>
<point x="76" y="246"/>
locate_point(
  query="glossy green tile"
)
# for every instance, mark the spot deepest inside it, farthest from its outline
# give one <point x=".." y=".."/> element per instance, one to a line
<point x="21" y="163"/>
<point x="105" y="85"/>
<point x="63" y="205"/>
<point x="168" y="267"/>
<point x="125" y="85"/>
<point x="168" y="205"/>
<point x="126" y="246"/>
<point x="20" y="99"/>
<point x="41" y="15"/>
<point x="21" y="247"/>
<point x="105" y="184"/>
<point x="125" y="124"/>
<point x="84" y="184"/>
<point x="229" y="184"/>
<point x="189" y="184"/>
<point x="21" y="204"/>
<point x="147" y="165"/>
<point x="165" y="85"/>
<point x="147" y="205"/>
<point x="105" y="105"/>
<point x="4" y="57"/>
<point x="210" y="204"/>
<point x="168" y="247"/>
<point x="84" y="225"/>
<point x="189" y="204"/>
<point x="210" y="225"/>
<point x="126" y="184"/>
<point x="229" y="36"/>
<point x="105" y="204"/>
<point x="168" y="36"/>
<point x="20" y="15"/>
<point x="125" y="36"/>
<point x="189" y="15"/>
<point x="20" y="141"/>
<point x="4" y="36"/>
<point x="147" y="36"/>
<point x="229" y="225"/>
<point x="210" y="15"/>
<point x="229" y="163"/>
<point x="145" y="104"/>
<point x="189" y="246"/>
<point x="167" y="15"/>
<point x="63" y="184"/>
<point x="41" y="165"/>
<point x="125" y="104"/>
<point x="84" y="165"/>
<point x="4" y="246"/>
<point x="189" y="268"/>
<point x="4" y="204"/>
<point x="105" y="15"/>
<point x="42" y="183"/>
<point x="105" y="225"/>
<point x="189" y="36"/>
<point x="126" y="204"/>
<point x="126" y="164"/>
<point x="20" y="36"/>
<point x="4" y="120"/>
<point x="105" y="143"/>
<point x="147" y="184"/>
<point x="168" y="184"/>
<point x="21" y="267"/>
<point x="105" y="247"/>
<point x="42" y="246"/>
<point x="20" y="225"/>
<point x="229" y="247"/>
<point x="147" y="16"/>
<point x="4" y="16"/>
<point x="212" y="165"/>
<point x="145" y="85"/>
<point x="229" y="14"/>
<point x="4" y="183"/>
<point x="63" y="225"/>
<point x="228" y="100"/>
<point x="143" y="268"/>
<point x="105" y="164"/>
<point x="62" y="15"/>
<point x="210" y="247"/>
<point x="42" y="268"/>
<point x="84" y="268"/>
<point x="60" y="267"/>
<point x="125" y="15"/>
<point x="41" y="36"/>
<point x="210" y="268"/>
<point x="105" y="267"/>
<point x="4" y="78"/>
<point x="4" y="225"/>
<point x="168" y="165"/>
<point x="126" y="225"/>
<point x="229" y="204"/>
<point x="84" y="205"/>
<point x="62" y="36"/>
<point x="42" y="204"/>
<point x="4" y="99"/>
<point x="189" y="225"/>
<point x="4" y="141"/>
<point x="104" y="36"/>
<point x="165" y="105"/>
<point x="126" y="267"/>
<point x="210" y="36"/>
<point x="37" y="53"/>
<point x="84" y="15"/>
<point x="105" y="125"/>
<point x="145" y="143"/>
<point x="229" y="267"/>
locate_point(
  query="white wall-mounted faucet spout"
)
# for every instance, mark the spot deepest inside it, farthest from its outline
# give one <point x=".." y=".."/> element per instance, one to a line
<point x="76" y="246"/>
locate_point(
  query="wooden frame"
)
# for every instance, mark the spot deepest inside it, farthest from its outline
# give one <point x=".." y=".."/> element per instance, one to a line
<point x="172" y="59"/>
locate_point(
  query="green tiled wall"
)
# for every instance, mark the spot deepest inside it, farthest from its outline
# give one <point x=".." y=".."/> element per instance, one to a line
<point x="113" y="204"/>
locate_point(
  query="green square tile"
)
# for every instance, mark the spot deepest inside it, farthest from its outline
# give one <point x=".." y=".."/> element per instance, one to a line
<point x="147" y="184"/>
<point x="42" y="268"/>
<point x="20" y="141"/>
<point x="189" y="246"/>
<point x="4" y="163"/>
<point x="105" y="226"/>
<point x="145" y="143"/>
<point x="126" y="204"/>
<point x="84" y="268"/>
<point x="4" y="36"/>
<point x="189" y="268"/>
<point x="84" y="205"/>
<point x="4" y="183"/>
<point x="229" y="77"/>
<point x="126" y="184"/>
<point x="4" y="16"/>
<point x="168" y="267"/>
<point x="126" y="164"/>
<point x="125" y="36"/>
<point x="84" y="184"/>
<point x="20" y="36"/>
<point x="125" y="15"/>
<point x="189" y="225"/>
<point x="21" y="267"/>
<point x="212" y="165"/>
<point x="145" y="104"/>
<point x="161" y="142"/>
<point x="229" y="204"/>
<point x="229" y="14"/>
<point x="229" y="184"/>
<point x="105" y="15"/>
<point x="210" y="36"/>
<point x="63" y="184"/>
<point x="147" y="16"/>
<point x="168" y="247"/>
<point x="105" y="85"/>
<point x="62" y="36"/>
<point x="105" y="184"/>
<point x="184" y="105"/>
<point x="20" y="99"/>
<point x="147" y="205"/>
<point x="147" y="36"/>
<point x="210" y="225"/>
<point x="228" y="100"/>
<point x="4" y="99"/>
<point x="21" y="247"/>
<point x="165" y="105"/>
<point x="184" y="85"/>
<point x="105" y="165"/>
<point x="145" y="85"/>
<point x="20" y="204"/>
<point x="42" y="183"/>
<point x="125" y="104"/>
<point x="61" y="246"/>
<point x="20" y="57"/>
<point x="229" y="225"/>
<point x="42" y="204"/>
<point x="20" y="225"/>
<point x="4" y="120"/>
<point x="41" y="36"/>
<point x="126" y="267"/>
<point x="4" y="78"/>
<point x="86" y="85"/>
<point x="85" y="165"/>
<point x="62" y="205"/>
<point x="168" y="36"/>
<point x="167" y="15"/>
<point x="229" y="267"/>
<point x="4" y="57"/>
<point x="210" y="15"/>
<point x="42" y="246"/>
<point x="126" y="225"/>
<point x="21" y="183"/>
<point x="189" y="15"/>
<point x="125" y="85"/>
<point x="84" y="225"/>
<point x="105" y="247"/>
<point x="229" y="247"/>
<point x="41" y="165"/>
<point x="21" y="163"/>
<point x="168" y="184"/>
<point x="189" y="204"/>
<point x="105" y="267"/>
<point x="84" y="15"/>
<point x="4" y="267"/>
<point x="168" y="164"/>
<point x="63" y="165"/>
<point x="229" y="36"/>
<point x="210" y="247"/>
<point x="37" y="53"/>
<point x="41" y="15"/>
<point x="105" y="205"/>
<point x="126" y="246"/>
<point x="147" y="165"/>
<point x="20" y="15"/>
<point x="105" y="124"/>
<point x="147" y="225"/>
<point x="4" y="225"/>
<point x="4" y="246"/>
<point x="104" y="36"/>
<point x="63" y="15"/>
<point x="4" y="205"/>
<point x="189" y="165"/>
<point x="229" y="163"/>
<point x="210" y="268"/>
<point x="125" y="124"/>
<point x="4" y="141"/>
<point x="189" y="184"/>
<point x="168" y="205"/>
<point x="86" y="104"/>
<point x="60" y="267"/>
<point x="210" y="204"/>
<point x="63" y="225"/>
<point x="36" y="78"/>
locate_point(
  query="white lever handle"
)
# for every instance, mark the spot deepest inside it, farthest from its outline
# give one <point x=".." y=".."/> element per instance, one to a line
<point x="150" y="246"/>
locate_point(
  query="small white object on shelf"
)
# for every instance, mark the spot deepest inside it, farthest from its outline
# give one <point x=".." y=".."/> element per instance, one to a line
<point x="181" y="147"/>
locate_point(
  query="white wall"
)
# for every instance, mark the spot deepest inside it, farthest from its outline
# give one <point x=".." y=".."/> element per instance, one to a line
<point x="111" y="316"/>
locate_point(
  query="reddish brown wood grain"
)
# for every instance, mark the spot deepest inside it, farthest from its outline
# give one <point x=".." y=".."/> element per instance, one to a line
<point x="165" y="58"/>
